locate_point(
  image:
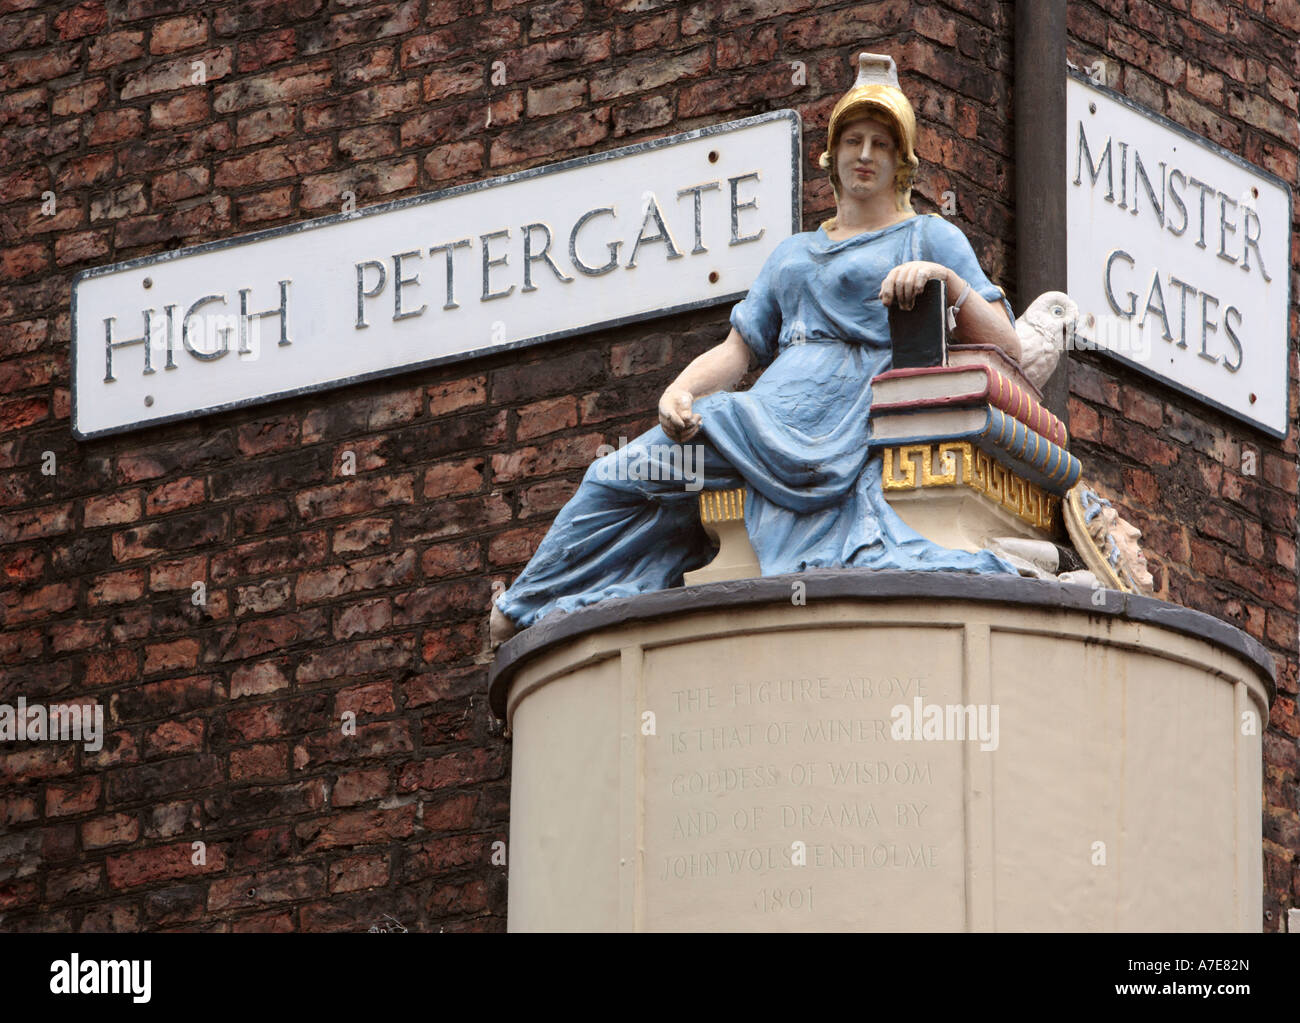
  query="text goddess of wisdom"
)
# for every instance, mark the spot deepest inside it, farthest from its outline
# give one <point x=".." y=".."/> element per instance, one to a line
<point x="798" y="440"/>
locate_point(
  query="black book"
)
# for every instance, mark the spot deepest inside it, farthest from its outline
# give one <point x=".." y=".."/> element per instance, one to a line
<point x="920" y="334"/>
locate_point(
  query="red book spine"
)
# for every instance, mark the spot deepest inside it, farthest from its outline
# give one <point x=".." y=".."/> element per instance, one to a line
<point x="1016" y="402"/>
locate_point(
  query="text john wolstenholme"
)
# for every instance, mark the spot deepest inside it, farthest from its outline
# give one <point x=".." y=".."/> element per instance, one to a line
<point x="65" y="722"/>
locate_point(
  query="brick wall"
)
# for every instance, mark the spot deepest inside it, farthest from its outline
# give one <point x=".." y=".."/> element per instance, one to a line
<point x="1223" y="538"/>
<point x="328" y="593"/>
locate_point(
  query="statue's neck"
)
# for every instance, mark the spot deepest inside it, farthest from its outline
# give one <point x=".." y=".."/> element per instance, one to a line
<point x="857" y="218"/>
<point x="839" y="230"/>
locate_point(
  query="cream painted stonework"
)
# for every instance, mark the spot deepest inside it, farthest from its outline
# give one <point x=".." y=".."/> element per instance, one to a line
<point x="739" y="770"/>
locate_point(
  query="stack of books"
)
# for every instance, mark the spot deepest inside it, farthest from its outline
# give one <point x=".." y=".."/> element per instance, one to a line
<point x="981" y="397"/>
<point x="964" y="416"/>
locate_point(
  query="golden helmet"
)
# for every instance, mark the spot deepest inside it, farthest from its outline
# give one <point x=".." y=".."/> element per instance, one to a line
<point x="876" y="94"/>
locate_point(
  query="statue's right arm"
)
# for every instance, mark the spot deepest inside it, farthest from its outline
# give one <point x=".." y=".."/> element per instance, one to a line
<point x="718" y="369"/>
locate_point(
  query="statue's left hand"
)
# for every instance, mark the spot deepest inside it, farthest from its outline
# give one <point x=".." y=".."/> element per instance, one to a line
<point x="905" y="281"/>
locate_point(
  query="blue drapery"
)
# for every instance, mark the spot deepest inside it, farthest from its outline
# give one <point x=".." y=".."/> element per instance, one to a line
<point x="797" y="441"/>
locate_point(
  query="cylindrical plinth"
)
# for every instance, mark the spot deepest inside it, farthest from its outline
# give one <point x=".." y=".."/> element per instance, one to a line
<point x="847" y="750"/>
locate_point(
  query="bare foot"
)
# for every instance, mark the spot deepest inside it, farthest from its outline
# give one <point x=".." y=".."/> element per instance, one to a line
<point x="500" y="628"/>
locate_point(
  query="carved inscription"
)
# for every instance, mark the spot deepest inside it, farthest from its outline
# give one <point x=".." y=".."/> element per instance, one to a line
<point x="771" y="792"/>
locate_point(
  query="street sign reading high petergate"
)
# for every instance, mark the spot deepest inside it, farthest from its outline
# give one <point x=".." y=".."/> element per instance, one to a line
<point x="648" y="230"/>
<point x="1179" y="256"/>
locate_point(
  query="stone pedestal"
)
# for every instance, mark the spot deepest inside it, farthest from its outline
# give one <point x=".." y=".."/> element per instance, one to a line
<point x="953" y="493"/>
<point x="722" y="514"/>
<point x="732" y="756"/>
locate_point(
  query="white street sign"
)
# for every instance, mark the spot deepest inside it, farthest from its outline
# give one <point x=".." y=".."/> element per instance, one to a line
<point x="1179" y="256"/>
<point x="648" y="230"/>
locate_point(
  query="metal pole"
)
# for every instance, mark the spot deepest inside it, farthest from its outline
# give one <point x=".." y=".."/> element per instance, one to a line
<point x="1039" y="118"/>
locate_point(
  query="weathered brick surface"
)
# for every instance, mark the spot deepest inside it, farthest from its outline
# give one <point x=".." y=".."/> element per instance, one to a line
<point x="291" y="660"/>
<point x="1215" y="500"/>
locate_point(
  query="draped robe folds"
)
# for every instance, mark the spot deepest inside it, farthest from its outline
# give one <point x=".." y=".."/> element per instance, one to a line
<point x="797" y="441"/>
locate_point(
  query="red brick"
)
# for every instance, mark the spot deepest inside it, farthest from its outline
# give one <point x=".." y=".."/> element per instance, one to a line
<point x="532" y="140"/>
<point x="297" y="81"/>
<point x="640" y="356"/>
<point x="164" y="863"/>
<point x="366" y="143"/>
<point x="175" y="34"/>
<point x="21" y="31"/>
<point x="36" y="522"/>
<point x="168" y="697"/>
<point x="460" y="477"/>
<point x="451" y="643"/>
<point x="111" y="918"/>
<point x="167" y="76"/>
<point x="270" y="922"/>
<point x="180" y="653"/>
<point x="378" y="739"/>
<point x="264" y="635"/>
<point x="114" y="829"/>
<point x="191" y="224"/>
<point x="361" y="787"/>
<point x="292" y="160"/>
<point x="457" y="558"/>
<point x="515" y="546"/>
<point x="115" y="48"/>
<point x="78" y="172"/>
<point x="277" y="554"/>
<point x="79" y="796"/>
<point x="451" y="770"/>
<point x="189" y="107"/>
<point x="18" y="809"/>
<point x="172" y="737"/>
<point x="174" y="496"/>
<point x="266" y="49"/>
<point x="26" y="182"/>
<point x="81" y="881"/>
<point x="281" y="885"/>
<point x="357" y="828"/>
<point x="116" y="587"/>
<point x="259" y="762"/>
<point x="36" y="604"/>
<point x="456" y="394"/>
<point x="470" y="897"/>
<point x="80" y="21"/>
<point x="362" y="535"/>
<point x="367" y="181"/>
<point x="258" y="679"/>
<point x="78" y="99"/>
<point x="355" y="873"/>
<point x="372" y="700"/>
<point x="441" y="855"/>
<point x="545" y="417"/>
<point x="455" y="160"/>
<point x="379" y="102"/>
<point x="564" y="453"/>
<point x="21" y="261"/>
<point x="375" y="21"/>
<point x="80" y="247"/>
<point x="356" y="495"/>
<point x="180" y="574"/>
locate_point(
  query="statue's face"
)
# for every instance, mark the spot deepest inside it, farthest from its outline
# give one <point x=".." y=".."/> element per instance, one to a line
<point x="866" y="159"/>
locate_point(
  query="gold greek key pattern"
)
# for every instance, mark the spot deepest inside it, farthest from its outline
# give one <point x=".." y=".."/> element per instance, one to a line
<point x="722" y="506"/>
<point x="949" y="463"/>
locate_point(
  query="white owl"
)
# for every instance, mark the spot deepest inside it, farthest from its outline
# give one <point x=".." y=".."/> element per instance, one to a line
<point x="1045" y="330"/>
